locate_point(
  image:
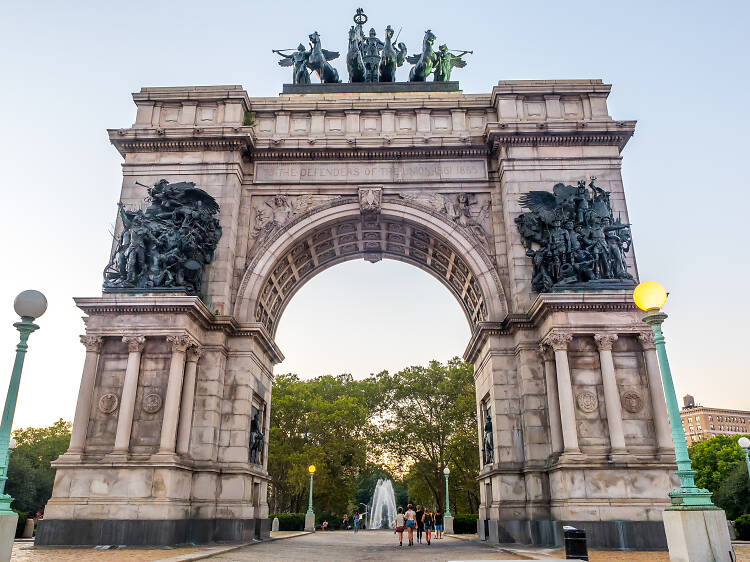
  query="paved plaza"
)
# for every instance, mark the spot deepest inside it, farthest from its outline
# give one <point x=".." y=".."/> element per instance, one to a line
<point x="365" y="545"/>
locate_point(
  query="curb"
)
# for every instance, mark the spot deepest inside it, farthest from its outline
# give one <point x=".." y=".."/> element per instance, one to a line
<point x="223" y="549"/>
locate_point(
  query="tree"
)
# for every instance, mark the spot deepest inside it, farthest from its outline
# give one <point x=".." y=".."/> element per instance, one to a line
<point x="733" y="495"/>
<point x="30" y="476"/>
<point x="714" y="459"/>
<point x="429" y="423"/>
<point x="325" y="422"/>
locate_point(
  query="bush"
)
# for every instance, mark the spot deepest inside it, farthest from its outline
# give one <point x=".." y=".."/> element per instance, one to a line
<point x="22" y="516"/>
<point x="465" y="523"/>
<point x="742" y="527"/>
<point x="733" y="495"/>
<point x="289" y="521"/>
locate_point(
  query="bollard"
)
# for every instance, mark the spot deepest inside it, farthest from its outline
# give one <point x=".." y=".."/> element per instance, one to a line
<point x="275" y="525"/>
<point x="575" y="544"/>
<point x="28" y="529"/>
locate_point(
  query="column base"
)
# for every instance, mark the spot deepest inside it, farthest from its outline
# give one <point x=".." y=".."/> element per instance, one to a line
<point x="448" y="525"/>
<point x="8" y="523"/>
<point x="144" y="532"/>
<point x="698" y="535"/>
<point x="310" y="522"/>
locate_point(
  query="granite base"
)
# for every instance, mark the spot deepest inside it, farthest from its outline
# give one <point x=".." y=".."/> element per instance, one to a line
<point x="370" y="87"/>
<point x="80" y="532"/>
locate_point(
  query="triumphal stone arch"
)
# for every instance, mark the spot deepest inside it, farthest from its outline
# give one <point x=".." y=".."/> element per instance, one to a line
<point x="512" y="198"/>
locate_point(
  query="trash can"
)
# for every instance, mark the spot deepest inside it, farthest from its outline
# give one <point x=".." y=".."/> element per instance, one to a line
<point x="575" y="543"/>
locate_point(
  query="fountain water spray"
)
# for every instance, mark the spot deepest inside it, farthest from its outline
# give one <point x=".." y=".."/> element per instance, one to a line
<point x="383" y="512"/>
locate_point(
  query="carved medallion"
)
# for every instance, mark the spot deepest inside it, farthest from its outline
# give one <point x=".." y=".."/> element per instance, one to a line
<point x="587" y="401"/>
<point x="369" y="201"/>
<point x="632" y="401"/>
<point x="108" y="403"/>
<point x="152" y="403"/>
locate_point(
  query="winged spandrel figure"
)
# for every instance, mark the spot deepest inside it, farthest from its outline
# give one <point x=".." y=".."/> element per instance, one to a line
<point x="447" y="60"/>
<point x="298" y="59"/>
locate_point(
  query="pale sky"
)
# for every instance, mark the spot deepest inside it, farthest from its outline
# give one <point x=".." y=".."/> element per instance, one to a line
<point x="679" y="68"/>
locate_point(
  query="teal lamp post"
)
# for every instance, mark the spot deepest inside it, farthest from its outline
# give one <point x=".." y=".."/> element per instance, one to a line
<point x="744" y="443"/>
<point x="28" y="305"/>
<point x="310" y="515"/>
<point x="650" y="296"/>
<point x="447" y="472"/>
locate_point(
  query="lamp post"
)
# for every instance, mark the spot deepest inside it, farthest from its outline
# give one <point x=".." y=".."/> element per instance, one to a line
<point x="744" y="443"/>
<point x="692" y="513"/>
<point x="447" y="517"/>
<point x="29" y="305"/>
<point x="310" y="515"/>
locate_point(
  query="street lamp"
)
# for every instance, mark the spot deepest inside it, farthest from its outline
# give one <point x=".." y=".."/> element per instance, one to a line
<point x="28" y="305"/>
<point x="447" y="513"/>
<point x="310" y="515"/>
<point x="650" y="296"/>
<point x="744" y="442"/>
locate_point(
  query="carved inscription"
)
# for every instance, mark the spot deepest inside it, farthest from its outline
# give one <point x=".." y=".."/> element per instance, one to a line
<point x="358" y="172"/>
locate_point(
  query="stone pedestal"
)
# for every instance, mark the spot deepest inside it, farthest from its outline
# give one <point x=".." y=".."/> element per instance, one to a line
<point x="698" y="535"/>
<point x="7" y="534"/>
<point x="275" y="525"/>
<point x="448" y="525"/>
<point x="310" y="522"/>
<point x="28" y="529"/>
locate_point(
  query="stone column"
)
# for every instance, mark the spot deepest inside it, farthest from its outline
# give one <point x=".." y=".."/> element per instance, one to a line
<point x="174" y="390"/>
<point x="553" y="401"/>
<point x="658" y="402"/>
<point x="129" y="389"/>
<point x="558" y="341"/>
<point x="604" y="343"/>
<point x="85" y="393"/>
<point x="188" y="400"/>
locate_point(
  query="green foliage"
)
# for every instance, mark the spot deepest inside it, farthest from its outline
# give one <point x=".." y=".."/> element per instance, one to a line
<point x="733" y="495"/>
<point x="21" y="523"/>
<point x="290" y="521"/>
<point x="714" y="459"/>
<point x="249" y="119"/>
<point x="406" y="427"/>
<point x="465" y="523"/>
<point x="742" y="527"/>
<point x="429" y="423"/>
<point x="325" y="422"/>
<point x="30" y="476"/>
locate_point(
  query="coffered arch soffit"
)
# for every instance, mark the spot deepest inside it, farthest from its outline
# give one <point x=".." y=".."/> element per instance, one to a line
<point x="335" y="233"/>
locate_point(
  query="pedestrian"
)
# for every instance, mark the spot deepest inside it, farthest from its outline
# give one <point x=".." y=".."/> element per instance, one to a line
<point x="429" y="525"/>
<point x="345" y="523"/>
<point x="420" y="524"/>
<point x="324" y="526"/>
<point x="356" y="521"/>
<point x="438" y="525"/>
<point x="399" y="524"/>
<point x="411" y="523"/>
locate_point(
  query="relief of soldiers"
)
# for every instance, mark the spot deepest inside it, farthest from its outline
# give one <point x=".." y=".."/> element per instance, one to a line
<point x="168" y="244"/>
<point x="572" y="237"/>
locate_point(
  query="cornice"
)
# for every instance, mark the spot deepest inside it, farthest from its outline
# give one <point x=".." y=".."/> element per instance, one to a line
<point x="545" y="304"/>
<point x="395" y="153"/>
<point x="558" y="133"/>
<point x="177" y="304"/>
<point x="182" y="139"/>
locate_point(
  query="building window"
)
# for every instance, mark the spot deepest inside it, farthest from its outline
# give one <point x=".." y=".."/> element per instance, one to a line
<point x="710" y="418"/>
<point x="712" y="426"/>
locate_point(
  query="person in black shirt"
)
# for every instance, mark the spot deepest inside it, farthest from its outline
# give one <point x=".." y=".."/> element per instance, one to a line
<point x="438" y="525"/>
<point x="420" y="523"/>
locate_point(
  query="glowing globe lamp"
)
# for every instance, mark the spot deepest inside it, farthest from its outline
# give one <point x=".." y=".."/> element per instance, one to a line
<point x="311" y="469"/>
<point x="650" y="295"/>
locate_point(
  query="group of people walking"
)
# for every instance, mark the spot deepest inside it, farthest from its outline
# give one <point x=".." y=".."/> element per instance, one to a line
<point x="423" y="521"/>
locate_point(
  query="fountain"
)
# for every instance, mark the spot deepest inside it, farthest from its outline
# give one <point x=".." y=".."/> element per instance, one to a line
<point x="383" y="512"/>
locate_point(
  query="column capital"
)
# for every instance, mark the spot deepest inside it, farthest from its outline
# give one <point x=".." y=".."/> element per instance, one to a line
<point x="605" y="341"/>
<point x="180" y="342"/>
<point x="545" y="352"/>
<point x="92" y="343"/>
<point x="647" y="340"/>
<point x="135" y="343"/>
<point x="194" y="353"/>
<point x="558" y="340"/>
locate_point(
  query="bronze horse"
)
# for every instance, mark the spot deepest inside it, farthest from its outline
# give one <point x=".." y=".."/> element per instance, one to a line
<point x="354" y="63"/>
<point x="425" y="62"/>
<point x="391" y="58"/>
<point x="318" y="61"/>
